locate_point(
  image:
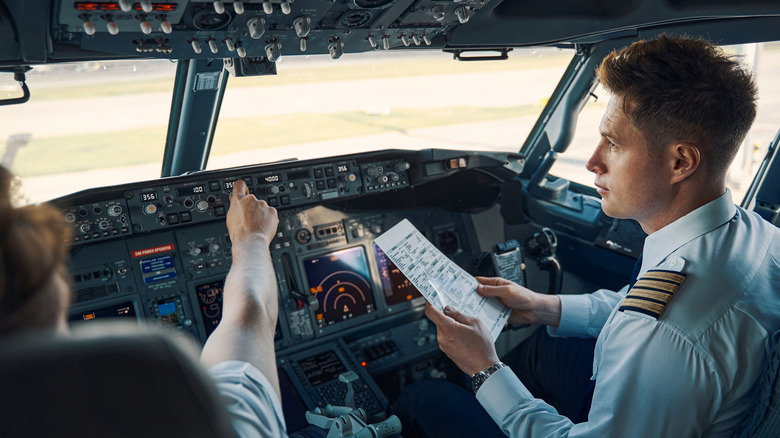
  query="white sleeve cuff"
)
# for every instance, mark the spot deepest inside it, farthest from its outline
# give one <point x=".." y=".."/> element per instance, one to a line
<point x="575" y="316"/>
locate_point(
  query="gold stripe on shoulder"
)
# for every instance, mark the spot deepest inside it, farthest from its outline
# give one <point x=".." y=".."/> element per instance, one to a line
<point x="650" y="306"/>
<point x="655" y="284"/>
<point x="652" y="294"/>
<point x="675" y="277"/>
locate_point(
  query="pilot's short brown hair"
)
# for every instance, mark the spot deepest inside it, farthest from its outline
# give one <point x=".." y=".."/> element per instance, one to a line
<point x="684" y="89"/>
<point x="33" y="248"/>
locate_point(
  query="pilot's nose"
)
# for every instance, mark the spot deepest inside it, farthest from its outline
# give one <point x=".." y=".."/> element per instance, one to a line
<point x="596" y="164"/>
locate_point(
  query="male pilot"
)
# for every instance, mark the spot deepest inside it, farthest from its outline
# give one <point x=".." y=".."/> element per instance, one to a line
<point x="679" y="351"/>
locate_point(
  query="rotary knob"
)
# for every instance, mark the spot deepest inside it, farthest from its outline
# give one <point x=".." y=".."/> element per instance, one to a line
<point x="84" y="228"/>
<point x="271" y="190"/>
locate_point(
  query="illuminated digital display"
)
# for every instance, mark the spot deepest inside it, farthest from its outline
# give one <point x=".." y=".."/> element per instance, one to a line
<point x="167" y="310"/>
<point x="322" y="367"/>
<point x="106" y="6"/>
<point x="124" y="309"/>
<point x="158" y="269"/>
<point x="149" y="196"/>
<point x="210" y="303"/>
<point x="272" y="178"/>
<point x="229" y="185"/>
<point x="341" y="282"/>
<point x="397" y="287"/>
<point x="343" y="168"/>
<point x="193" y="190"/>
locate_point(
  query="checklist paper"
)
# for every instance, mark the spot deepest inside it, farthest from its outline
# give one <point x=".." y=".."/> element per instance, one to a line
<point x="439" y="279"/>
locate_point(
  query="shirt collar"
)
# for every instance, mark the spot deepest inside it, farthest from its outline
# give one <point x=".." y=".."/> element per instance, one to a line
<point x="704" y="219"/>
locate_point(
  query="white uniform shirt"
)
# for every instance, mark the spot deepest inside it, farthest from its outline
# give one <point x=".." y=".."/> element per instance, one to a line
<point x="688" y="373"/>
<point x="254" y="407"/>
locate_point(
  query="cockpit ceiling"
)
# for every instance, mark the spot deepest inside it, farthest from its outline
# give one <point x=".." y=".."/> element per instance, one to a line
<point x="53" y="31"/>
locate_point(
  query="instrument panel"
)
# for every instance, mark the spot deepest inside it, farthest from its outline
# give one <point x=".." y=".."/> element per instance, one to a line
<point x="159" y="252"/>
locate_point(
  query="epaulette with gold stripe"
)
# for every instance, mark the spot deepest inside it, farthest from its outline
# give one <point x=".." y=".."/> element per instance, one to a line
<point x="652" y="292"/>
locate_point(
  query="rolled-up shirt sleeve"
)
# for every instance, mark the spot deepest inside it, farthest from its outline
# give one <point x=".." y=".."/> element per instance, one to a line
<point x="254" y="407"/>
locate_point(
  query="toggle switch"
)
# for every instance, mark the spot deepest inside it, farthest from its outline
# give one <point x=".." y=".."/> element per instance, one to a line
<point x="238" y="7"/>
<point x="213" y="45"/>
<point x="196" y="46"/>
<point x="386" y="42"/>
<point x="256" y="27"/>
<point x="273" y="50"/>
<point x="219" y="7"/>
<point x="372" y="41"/>
<point x="229" y="44"/>
<point x="111" y="25"/>
<point x="336" y="49"/>
<point x="89" y="27"/>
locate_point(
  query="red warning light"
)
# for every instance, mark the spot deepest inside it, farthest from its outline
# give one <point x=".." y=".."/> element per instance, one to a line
<point x="363" y="364"/>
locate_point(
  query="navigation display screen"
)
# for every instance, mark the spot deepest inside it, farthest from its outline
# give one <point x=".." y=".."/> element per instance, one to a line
<point x="341" y="282"/>
<point x="397" y="287"/>
<point x="322" y="367"/>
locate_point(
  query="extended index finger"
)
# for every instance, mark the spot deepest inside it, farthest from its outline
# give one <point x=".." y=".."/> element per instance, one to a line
<point x="240" y="189"/>
<point x="436" y="316"/>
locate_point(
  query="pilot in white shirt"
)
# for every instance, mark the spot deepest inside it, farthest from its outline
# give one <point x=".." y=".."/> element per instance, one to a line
<point x="688" y="371"/>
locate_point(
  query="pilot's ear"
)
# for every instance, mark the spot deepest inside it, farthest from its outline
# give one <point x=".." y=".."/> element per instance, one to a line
<point x="686" y="158"/>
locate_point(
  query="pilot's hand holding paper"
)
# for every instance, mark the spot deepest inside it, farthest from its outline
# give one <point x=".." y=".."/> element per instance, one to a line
<point x="439" y="279"/>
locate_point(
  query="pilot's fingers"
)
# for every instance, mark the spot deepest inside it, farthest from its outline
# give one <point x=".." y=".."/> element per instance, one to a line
<point x="493" y="281"/>
<point x="434" y="314"/>
<point x="240" y="189"/>
<point x="457" y="316"/>
<point x="498" y="291"/>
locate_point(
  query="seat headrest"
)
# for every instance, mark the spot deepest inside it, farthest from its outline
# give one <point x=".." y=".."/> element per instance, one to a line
<point x="106" y="380"/>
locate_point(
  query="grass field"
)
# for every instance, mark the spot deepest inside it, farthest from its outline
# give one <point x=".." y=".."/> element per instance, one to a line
<point x="92" y="151"/>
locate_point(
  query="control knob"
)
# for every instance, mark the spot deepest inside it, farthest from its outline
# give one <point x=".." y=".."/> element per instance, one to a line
<point x="201" y="205"/>
<point x="374" y="171"/>
<point x="402" y="166"/>
<point x="104" y="224"/>
<point x="381" y="179"/>
<point x="115" y="210"/>
<point x="271" y="190"/>
<point x="213" y="248"/>
<point x="70" y="217"/>
<point x="84" y="228"/>
<point x="194" y="251"/>
<point x="150" y="209"/>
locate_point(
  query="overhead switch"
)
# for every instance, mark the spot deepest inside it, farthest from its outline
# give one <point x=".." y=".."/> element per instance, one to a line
<point x="268" y="8"/>
<point x="213" y="45"/>
<point x="416" y="39"/>
<point x="146" y="27"/>
<point x="238" y="7"/>
<point x="273" y="50"/>
<point x="372" y="41"/>
<point x="386" y="42"/>
<point x="89" y="27"/>
<point x="229" y="44"/>
<point x="219" y="7"/>
<point x="146" y="5"/>
<point x="256" y="27"/>
<point x="426" y="39"/>
<point x="111" y="25"/>
<point x="336" y="49"/>
<point x="286" y="9"/>
<point x="462" y="12"/>
<point x="165" y="25"/>
<point x="302" y="26"/>
<point x="241" y="51"/>
<point x="196" y="46"/>
<point x="126" y="5"/>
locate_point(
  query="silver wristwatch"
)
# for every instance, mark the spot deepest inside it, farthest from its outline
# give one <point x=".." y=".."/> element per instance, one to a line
<point x="479" y="378"/>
